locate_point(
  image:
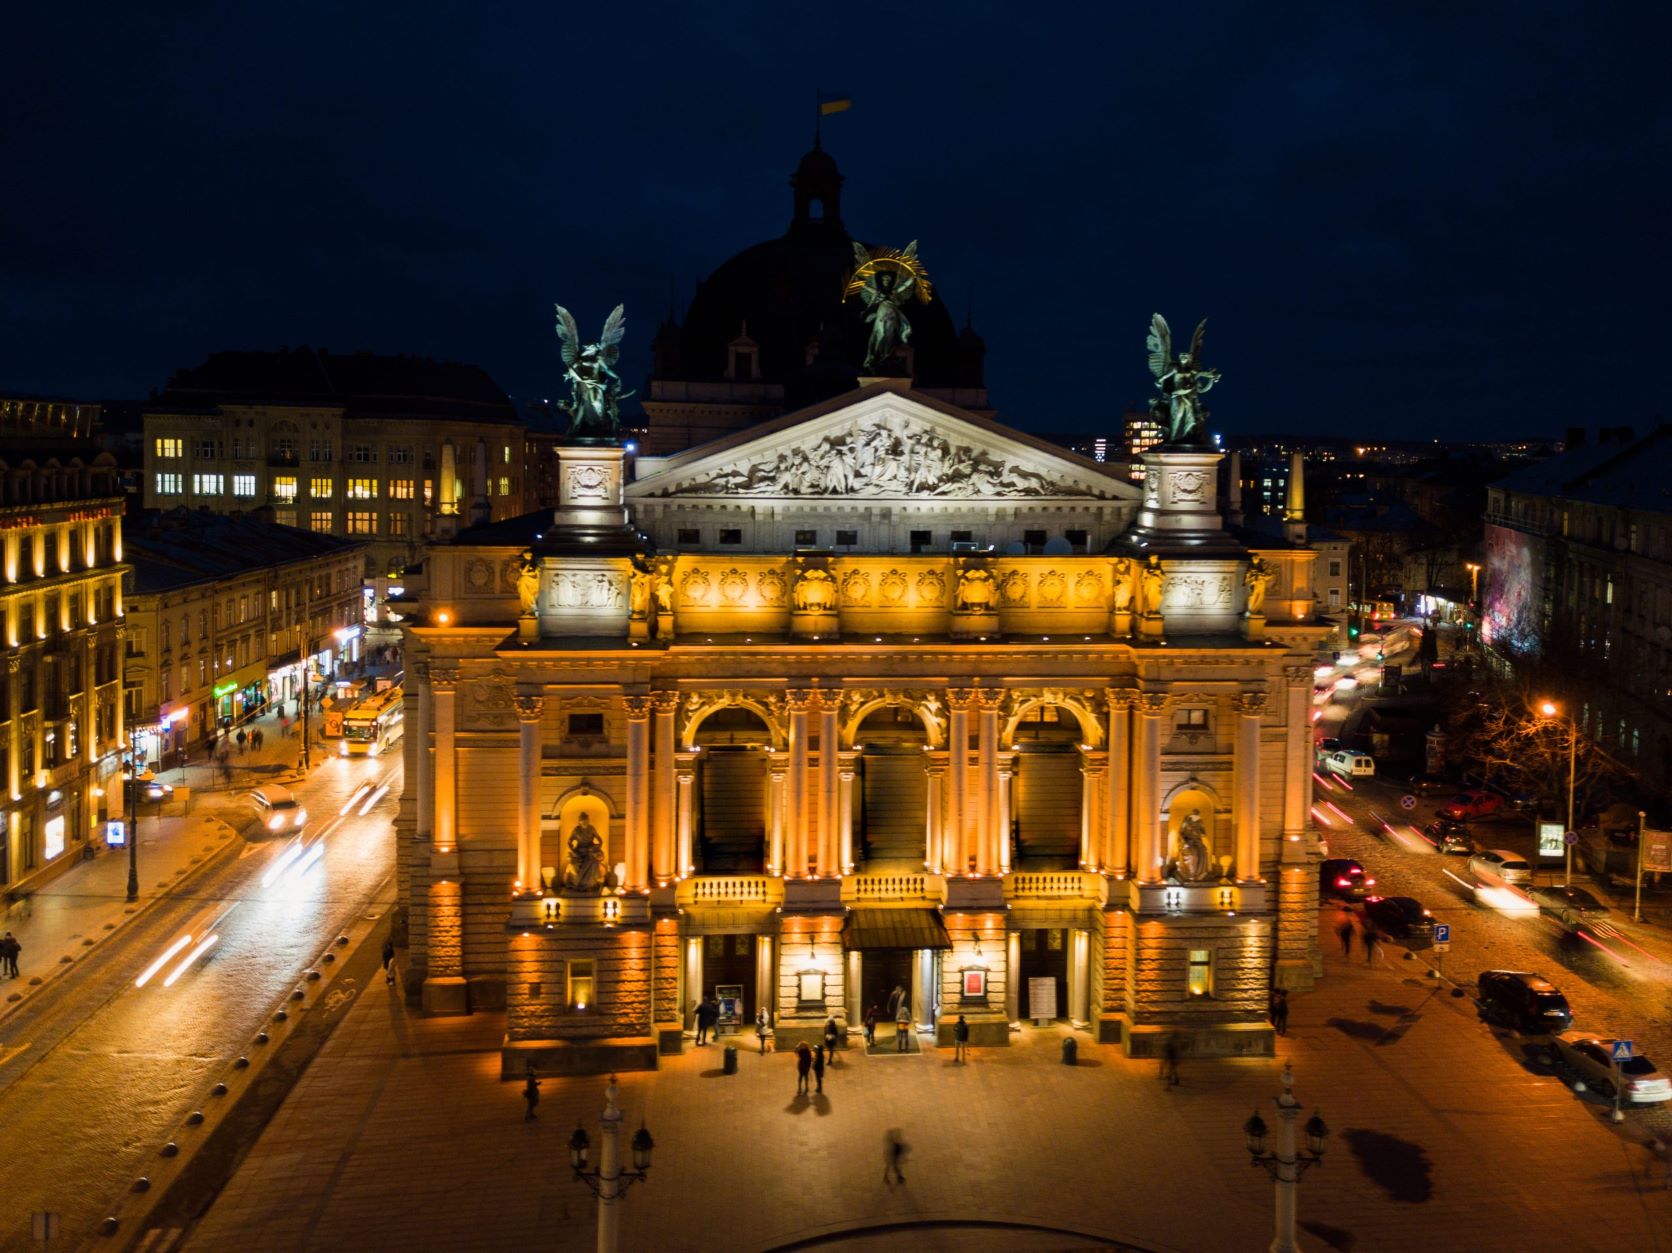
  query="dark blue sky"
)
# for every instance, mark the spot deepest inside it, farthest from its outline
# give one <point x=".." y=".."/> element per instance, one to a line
<point x="1430" y="222"/>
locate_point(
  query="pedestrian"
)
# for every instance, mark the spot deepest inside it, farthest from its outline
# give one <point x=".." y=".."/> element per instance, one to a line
<point x="9" y="949"/>
<point x="1170" y="1062"/>
<point x="260" y="738"/>
<point x="818" y="1066"/>
<point x="388" y="961"/>
<point x="871" y="1027"/>
<point x="893" y="1153"/>
<point x="284" y="726"/>
<point x="1280" y="1011"/>
<point x="1345" y="932"/>
<point x="832" y="1033"/>
<point x="226" y="774"/>
<point x="902" y="1024"/>
<point x="531" y="1094"/>
<point x="894" y="999"/>
<point x="708" y="1013"/>
<point x="803" y="1067"/>
<point x="761" y="1023"/>
<point x="960" y="1040"/>
<point x="1372" y="944"/>
<point x="243" y="738"/>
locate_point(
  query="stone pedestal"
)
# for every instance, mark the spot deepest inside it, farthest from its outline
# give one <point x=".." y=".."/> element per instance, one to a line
<point x="528" y="627"/>
<point x="664" y="626"/>
<point x="445" y="995"/>
<point x="1254" y="626"/>
<point x="815" y="624"/>
<point x="1150" y="626"/>
<point x="1120" y="623"/>
<point x="975" y="625"/>
<point x="638" y="629"/>
<point x="590" y="500"/>
<point x="584" y="595"/>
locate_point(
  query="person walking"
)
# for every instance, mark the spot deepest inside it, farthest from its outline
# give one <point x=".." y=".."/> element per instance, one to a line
<point x="803" y="1067"/>
<point x="1280" y="1011"/>
<point x="1170" y="1062"/>
<point x="760" y="1028"/>
<point x="388" y="961"/>
<point x="531" y="1094"/>
<point x="894" y="999"/>
<point x="902" y="1025"/>
<point x="960" y="1041"/>
<point x="1372" y="944"/>
<point x="9" y="949"/>
<point x="1345" y="933"/>
<point x="893" y="1153"/>
<point x="243" y="739"/>
<point x="708" y="1013"/>
<point x="818" y="1067"/>
<point x="871" y="1027"/>
<point x="832" y="1033"/>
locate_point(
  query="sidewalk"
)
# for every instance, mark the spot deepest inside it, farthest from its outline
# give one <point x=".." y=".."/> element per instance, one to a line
<point x="63" y="920"/>
<point x="276" y="761"/>
<point x="1445" y="1135"/>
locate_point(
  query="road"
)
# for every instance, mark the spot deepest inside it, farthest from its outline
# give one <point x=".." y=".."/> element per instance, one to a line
<point x="96" y="1072"/>
<point x="1617" y="977"/>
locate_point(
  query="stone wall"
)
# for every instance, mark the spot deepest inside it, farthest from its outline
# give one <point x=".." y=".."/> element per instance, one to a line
<point x="989" y="1023"/>
<point x="537" y="988"/>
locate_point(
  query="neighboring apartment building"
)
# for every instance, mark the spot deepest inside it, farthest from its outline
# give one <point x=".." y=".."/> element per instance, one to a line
<point x="61" y="726"/>
<point x="220" y="613"/>
<point x="388" y="451"/>
<point x="1577" y="590"/>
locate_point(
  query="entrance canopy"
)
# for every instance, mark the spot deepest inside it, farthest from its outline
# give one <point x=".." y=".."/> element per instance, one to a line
<point x="881" y="930"/>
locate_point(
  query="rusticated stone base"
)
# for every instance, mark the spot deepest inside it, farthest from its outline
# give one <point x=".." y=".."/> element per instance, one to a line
<point x="987" y="1031"/>
<point x="601" y="1056"/>
<point x="1251" y="1039"/>
<point x="445" y="995"/>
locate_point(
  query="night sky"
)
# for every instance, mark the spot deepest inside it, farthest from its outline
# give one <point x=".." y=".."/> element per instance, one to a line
<point x="1449" y="220"/>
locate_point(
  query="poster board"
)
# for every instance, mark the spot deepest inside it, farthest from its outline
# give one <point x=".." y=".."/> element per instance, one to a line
<point x="1657" y="851"/>
<point x="1551" y="844"/>
<point x="1042" y="997"/>
<point x="973" y="985"/>
<point x="730" y="997"/>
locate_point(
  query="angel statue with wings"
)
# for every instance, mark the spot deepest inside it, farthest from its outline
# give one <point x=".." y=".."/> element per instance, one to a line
<point x="1182" y="380"/>
<point x="595" y="393"/>
<point x="884" y="281"/>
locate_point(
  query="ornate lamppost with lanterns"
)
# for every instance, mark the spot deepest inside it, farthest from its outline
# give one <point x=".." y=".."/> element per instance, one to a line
<point x="1287" y="1162"/>
<point x="608" y="1181"/>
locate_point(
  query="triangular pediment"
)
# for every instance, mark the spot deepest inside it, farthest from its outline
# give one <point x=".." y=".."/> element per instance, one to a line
<point x="880" y="443"/>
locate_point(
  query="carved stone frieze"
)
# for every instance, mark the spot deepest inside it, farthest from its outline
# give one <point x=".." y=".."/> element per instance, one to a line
<point x="734" y="586"/>
<point x="770" y="586"/>
<point x="694" y="587"/>
<point x="931" y="587"/>
<point x="490" y="701"/>
<point x="892" y="587"/>
<point x="1013" y="589"/>
<point x="586" y="589"/>
<point x="856" y="587"/>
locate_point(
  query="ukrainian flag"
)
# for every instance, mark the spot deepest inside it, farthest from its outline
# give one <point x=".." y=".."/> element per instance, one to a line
<point x="834" y="104"/>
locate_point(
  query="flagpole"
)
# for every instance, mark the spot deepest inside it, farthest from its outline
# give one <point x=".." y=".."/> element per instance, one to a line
<point x="818" y="118"/>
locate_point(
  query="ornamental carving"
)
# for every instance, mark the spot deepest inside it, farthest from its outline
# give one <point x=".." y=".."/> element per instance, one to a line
<point x="1153" y="704"/>
<point x="1088" y="588"/>
<point x="1199" y="591"/>
<point x="529" y="708"/>
<point x="443" y="678"/>
<point x="815" y="591"/>
<point x="976" y="591"/>
<point x="1252" y="703"/>
<point x="1053" y="588"/>
<point x="694" y="587"/>
<point x="856" y="587"/>
<point x="587" y="589"/>
<point x="770" y="586"/>
<point x="734" y="586"/>
<point x="882" y="456"/>
<point x="1187" y="487"/>
<point x="892" y="586"/>
<point x="478" y="575"/>
<point x="490" y="702"/>
<point x="637" y="707"/>
<point x="1013" y="590"/>
<point x="931" y="587"/>
<point x="588" y="482"/>
<point x="509" y="569"/>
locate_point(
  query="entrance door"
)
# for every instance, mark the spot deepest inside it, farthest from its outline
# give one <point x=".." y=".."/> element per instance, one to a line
<point x="880" y="972"/>
<point x="1044" y="956"/>
<point x="731" y="959"/>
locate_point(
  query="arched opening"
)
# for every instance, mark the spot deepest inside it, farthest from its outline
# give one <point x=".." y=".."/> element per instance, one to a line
<point x="1194" y="804"/>
<point x="891" y="825"/>
<point x="732" y="791"/>
<point x="1046" y="813"/>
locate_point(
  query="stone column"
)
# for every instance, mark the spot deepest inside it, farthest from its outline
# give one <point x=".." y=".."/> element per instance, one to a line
<point x="1117" y="852"/>
<point x="1079" y="977"/>
<point x="529" y="711"/>
<point x="795" y="807"/>
<point x="846" y="782"/>
<point x="685" y="780"/>
<point x="1297" y="752"/>
<point x="954" y="825"/>
<point x="423" y="753"/>
<point x="935" y="837"/>
<point x="985" y="848"/>
<point x="638" y="792"/>
<point x="1013" y="976"/>
<point x="777" y="765"/>
<point x="1246" y="788"/>
<point x="1007" y="778"/>
<point x="1094" y="790"/>
<point x="444" y="683"/>
<point x="831" y="860"/>
<point x="664" y="856"/>
<point x="1146" y="786"/>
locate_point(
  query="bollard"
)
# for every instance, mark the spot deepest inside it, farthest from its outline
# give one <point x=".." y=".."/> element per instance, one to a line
<point x="730" y="1059"/>
<point x="1070" y="1051"/>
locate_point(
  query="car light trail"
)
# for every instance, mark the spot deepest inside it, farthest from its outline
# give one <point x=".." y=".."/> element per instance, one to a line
<point x="1593" y="940"/>
<point x="355" y="799"/>
<point x="280" y="862"/>
<point x="1323" y="779"/>
<point x="313" y="855"/>
<point x="373" y="799"/>
<point x="162" y="961"/>
<point x="207" y="944"/>
<point x="1344" y="783"/>
<point x="1339" y="813"/>
<point x="1320" y="819"/>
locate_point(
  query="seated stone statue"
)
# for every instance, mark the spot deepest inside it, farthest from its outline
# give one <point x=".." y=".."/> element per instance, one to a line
<point x="1193" y="861"/>
<point x="585" y="871"/>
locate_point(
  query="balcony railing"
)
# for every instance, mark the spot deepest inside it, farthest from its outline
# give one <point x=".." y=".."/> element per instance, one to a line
<point x="752" y="889"/>
<point x="1198" y="898"/>
<point x="861" y="888"/>
<point x="1054" y="885"/>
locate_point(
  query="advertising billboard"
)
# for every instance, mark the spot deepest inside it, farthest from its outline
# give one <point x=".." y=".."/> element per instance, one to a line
<point x="1510" y="599"/>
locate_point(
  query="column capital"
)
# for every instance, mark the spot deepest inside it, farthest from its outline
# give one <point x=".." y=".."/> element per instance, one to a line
<point x="1251" y="704"/>
<point x="529" y="707"/>
<point x="444" y="678"/>
<point x="665" y="702"/>
<point x="637" y="707"/>
<point x="800" y="700"/>
<point x="990" y="698"/>
<point x="1152" y="704"/>
<point x="1120" y="698"/>
<point x="421" y="669"/>
<point x="960" y="699"/>
<point x="1296" y="675"/>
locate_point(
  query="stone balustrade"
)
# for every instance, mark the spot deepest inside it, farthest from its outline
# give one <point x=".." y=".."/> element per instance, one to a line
<point x="861" y="888"/>
<point x="1198" y="898"/>
<point x="1055" y="885"/>
<point x="752" y="889"/>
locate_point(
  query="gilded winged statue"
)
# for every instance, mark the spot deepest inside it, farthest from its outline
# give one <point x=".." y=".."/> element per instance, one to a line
<point x="884" y="281"/>
<point x="595" y="393"/>
<point x="1183" y="381"/>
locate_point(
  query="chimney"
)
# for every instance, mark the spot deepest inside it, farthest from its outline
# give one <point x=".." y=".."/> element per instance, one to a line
<point x="1294" y="509"/>
<point x="1234" y="492"/>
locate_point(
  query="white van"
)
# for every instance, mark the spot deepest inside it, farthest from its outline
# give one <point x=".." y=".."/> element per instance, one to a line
<point x="280" y="811"/>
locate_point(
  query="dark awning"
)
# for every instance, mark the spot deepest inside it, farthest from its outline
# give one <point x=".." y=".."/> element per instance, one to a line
<point x="875" y="930"/>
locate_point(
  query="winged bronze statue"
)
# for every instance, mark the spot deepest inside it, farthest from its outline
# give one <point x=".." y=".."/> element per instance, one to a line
<point x="1183" y="381"/>
<point x="595" y="394"/>
<point x="884" y="281"/>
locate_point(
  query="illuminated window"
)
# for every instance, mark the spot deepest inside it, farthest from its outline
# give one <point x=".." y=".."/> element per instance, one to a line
<point x="1201" y="972"/>
<point x="582" y="989"/>
<point x="362" y="523"/>
<point x="53" y="832"/>
<point x="506" y="455"/>
<point x="504" y="486"/>
<point x="1193" y="720"/>
<point x="362" y="489"/>
<point x="320" y="520"/>
<point x="168" y="485"/>
<point x="168" y="448"/>
<point x="284" y="517"/>
<point x="319" y="489"/>
<point x="284" y="487"/>
<point x="429" y="491"/>
<point x="400" y="489"/>
<point x="243" y="485"/>
<point x="398" y="525"/>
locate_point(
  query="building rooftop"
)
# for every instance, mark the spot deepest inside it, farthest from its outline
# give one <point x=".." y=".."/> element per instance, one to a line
<point x="1625" y="472"/>
<point x="180" y="547"/>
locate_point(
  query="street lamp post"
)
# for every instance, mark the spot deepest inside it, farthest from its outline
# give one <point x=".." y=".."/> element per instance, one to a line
<point x="608" y="1181"/>
<point x="1551" y="710"/>
<point x="302" y="653"/>
<point x="131" y="786"/>
<point x="1287" y="1162"/>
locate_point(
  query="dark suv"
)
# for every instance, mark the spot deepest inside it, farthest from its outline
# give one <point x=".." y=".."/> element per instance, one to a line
<point x="1343" y="879"/>
<point x="1530" y="1003"/>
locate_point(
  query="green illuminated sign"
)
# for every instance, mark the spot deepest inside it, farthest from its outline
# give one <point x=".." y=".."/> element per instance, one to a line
<point x="224" y="688"/>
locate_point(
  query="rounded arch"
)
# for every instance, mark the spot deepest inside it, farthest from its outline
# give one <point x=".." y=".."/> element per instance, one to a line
<point x="1091" y="726"/>
<point x="613" y="808"/>
<point x="701" y="708"/>
<point x="934" y="730"/>
<point x="579" y="808"/>
<point x="1200" y="804"/>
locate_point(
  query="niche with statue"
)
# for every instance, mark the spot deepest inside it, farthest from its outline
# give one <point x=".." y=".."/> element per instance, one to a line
<point x="580" y="848"/>
<point x="1193" y="853"/>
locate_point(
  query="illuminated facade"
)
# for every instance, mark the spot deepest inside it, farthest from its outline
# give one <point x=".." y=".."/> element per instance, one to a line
<point x="874" y="694"/>
<point x="61" y="726"/>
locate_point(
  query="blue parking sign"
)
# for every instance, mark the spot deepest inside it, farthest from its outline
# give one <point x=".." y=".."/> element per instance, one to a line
<point x="1442" y="933"/>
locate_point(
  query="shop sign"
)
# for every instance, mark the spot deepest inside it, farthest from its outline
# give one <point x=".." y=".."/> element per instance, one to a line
<point x="224" y="689"/>
<point x="1551" y="840"/>
<point x="116" y="833"/>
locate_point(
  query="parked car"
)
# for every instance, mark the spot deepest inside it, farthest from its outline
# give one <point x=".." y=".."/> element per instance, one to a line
<point x="1591" y="1058"/>
<point x="1344" y="880"/>
<point x="149" y="789"/>
<point x="1451" y="837"/>
<point x="1402" y="917"/>
<point x="1568" y="902"/>
<point x="1501" y="866"/>
<point x="1477" y="803"/>
<point x="1348" y="764"/>
<point x="1530" y="1003"/>
<point x="1428" y="784"/>
<point x="1326" y="744"/>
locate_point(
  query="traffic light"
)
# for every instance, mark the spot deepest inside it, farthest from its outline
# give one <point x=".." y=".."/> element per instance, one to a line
<point x="1352" y="632"/>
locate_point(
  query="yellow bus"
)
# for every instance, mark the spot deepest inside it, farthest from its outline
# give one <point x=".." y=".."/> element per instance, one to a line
<point x="370" y="727"/>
